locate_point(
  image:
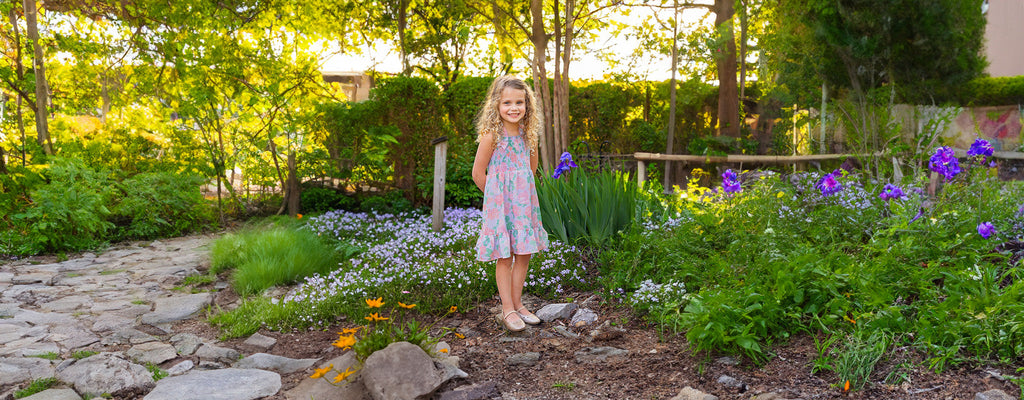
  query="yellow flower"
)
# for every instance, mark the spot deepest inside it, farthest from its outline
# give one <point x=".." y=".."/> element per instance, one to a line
<point x="349" y="331"/>
<point x="345" y="342"/>
<point x="375" y="317"/>
<point x="780" y="194"/>
<point x="453" y="309"/>
<point x="403" y="305"/>
<point x="444" y="351"/>
<point x="322" y="371"/>
<point x="459" y="335"/>
<point x="375" y="303"/>
<point x="341" y="376"/>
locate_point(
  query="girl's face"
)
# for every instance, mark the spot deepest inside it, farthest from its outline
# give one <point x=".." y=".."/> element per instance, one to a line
<point x="512" y="105"/>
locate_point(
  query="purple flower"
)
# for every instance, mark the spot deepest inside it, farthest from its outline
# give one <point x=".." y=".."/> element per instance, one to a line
<point x="730" y="183"/>
<point x="985" y="229"/>
<point x="829" y="185"/>
<point x="892" y="192"/>
<point x="980" y="147"/>
<point x="920" y="213"/>
<point x="1020" y="211"/>
<point x="565" y="165"/>
<point x="944" y="162"/>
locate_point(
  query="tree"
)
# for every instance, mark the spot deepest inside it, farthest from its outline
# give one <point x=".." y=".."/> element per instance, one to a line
<point x="39" y="70"/>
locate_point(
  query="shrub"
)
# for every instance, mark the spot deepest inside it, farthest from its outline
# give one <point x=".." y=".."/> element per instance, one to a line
<point x="318" y="200"/>
<point x="160" y="204"/>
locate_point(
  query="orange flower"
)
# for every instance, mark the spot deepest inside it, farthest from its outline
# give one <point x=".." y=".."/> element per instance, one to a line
<point x="349" y="331"/>
<point x="444" y="351"/>
<point x="345" y="342"/>
<point x="846" y="387"/>
<point x="407" y="306"/>
<point x="850" y="320"/>
<point x="375" y="303"/>
<point x="322" y="371"/>
<point x="375" y="317"/>
<point x="453" y="309"/>
<point x="341" y="376"/>
<point x="298" y="216"/>
<point x="459" y="335"/>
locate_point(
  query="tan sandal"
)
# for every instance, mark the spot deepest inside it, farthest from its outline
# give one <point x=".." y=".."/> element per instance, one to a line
<point x="527" y="316"/>
<point x="514" y="325"/>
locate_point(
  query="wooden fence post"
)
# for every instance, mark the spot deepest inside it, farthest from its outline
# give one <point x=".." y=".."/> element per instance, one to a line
<point x="440" y="170"/>
<point x="641" y="172"/>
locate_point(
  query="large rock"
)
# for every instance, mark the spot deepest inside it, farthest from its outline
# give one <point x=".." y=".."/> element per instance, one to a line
<point x="994" y="394"/>
<point x="271" y="362"/>
<point x="401" y="371"/>
<point x="221" y="384"/>
<point x="186" y="343"/>
<point x="54" y="394"/>
<point x="17" y="370"/>
<point x="261" y="342"/>
<point x="152" y="352"/>
<point x="105" y="373"/>
<point x="552" y="312"/>
<point x="173" y="309"/>
<point x="321" y="389"/>
<point x="689" y="393"/>
<point x="584" y="316"/>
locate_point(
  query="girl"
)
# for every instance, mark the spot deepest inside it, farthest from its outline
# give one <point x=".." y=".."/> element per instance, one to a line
<point x="507" y="129"/>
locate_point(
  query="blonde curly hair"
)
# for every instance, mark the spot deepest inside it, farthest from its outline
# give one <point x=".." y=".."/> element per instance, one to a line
<point x="488" y="122"/>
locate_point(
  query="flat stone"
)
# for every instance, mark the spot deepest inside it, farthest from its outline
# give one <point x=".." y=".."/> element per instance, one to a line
<point x="994" y="394"/>
<point x="29" y="347"/>
<point x="209" y="352"/>
<point x="221" y="384"/>
<point x="152" y="352"/>
<point x="555" y="311"/>
<point x="561" y="330"/>
<point x="274" y="363"/>
<point x="321" y="389"/>
<point x="592" y="355"/>
<point x="689" y="393"/>
<point x="481" y="391"/>
<point x="17" y="370"/>
<point x="38" y="318"/>
<point x="733" y="383"/>
<point x="11" y="332"/>
<point x="186" y="343"/>
<point x="54" y="394"/>
<point x="72" y="336"/>
<point x="30" y="278"/>
<point x="111" y="322"/>
<point x="6" y="277"/>
<point x="584" y="316"/>
<point x="127" y="336"/>
<point x="105" y="373"/>
<point x="177" y="308"/>
<point x="523" y="359"/>
<point x="104" y="306"/>
<point x="181" y="368"/>
<point x="261" y="342"/>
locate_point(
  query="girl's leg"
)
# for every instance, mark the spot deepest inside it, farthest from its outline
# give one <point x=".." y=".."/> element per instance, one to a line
<point x="504" y="278"/>
<point x="522" y="265"/>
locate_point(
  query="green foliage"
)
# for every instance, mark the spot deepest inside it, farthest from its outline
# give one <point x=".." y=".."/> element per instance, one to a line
<point x="80" y="354"/>
<point x="160" y="204"/>
<point x="265" y="258"/>
<point x="463" y="100"/>
<point x="854" y="359"/>
<point x="588" y="207"/>
<point x="384" y="329"/>
<point x="47" y="356"/>
<point x="319" y="199"/>
<point x="1000" y="91"/>
<point x="69" y="213"/>
<point x="156" y="372"/>
<point x="36" y="386"/>
<point x="599" y="114"/>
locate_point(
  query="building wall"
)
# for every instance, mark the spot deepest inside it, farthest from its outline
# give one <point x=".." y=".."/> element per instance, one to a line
<point x="1004" y="37"/>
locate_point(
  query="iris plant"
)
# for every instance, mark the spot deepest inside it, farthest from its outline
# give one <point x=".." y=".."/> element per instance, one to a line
<point x="565" y="165"/>
<point x="985" y="229"/>
<point x="730" y="182"/>
<point x="892" y="192"/>
<point x="829" y="185"/>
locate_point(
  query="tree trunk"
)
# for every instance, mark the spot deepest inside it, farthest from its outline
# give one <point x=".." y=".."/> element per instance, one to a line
<point x="292" y="190"/>
<point x="42" y="92"/>
<point x="670" y="136"/>
<point x="540" y="83"/>
<point x="20" y="69"/>
<point x="728" y="95"/>
<point x="570" y="24"/>
<point x="743" y="53"/>
<point x="556" y="109"/>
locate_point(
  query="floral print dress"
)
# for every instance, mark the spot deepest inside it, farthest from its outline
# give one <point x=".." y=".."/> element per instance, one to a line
<point x="511" y="222"/>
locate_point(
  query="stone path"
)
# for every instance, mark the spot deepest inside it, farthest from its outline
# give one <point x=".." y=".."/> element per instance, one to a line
<point x="95" y="322"/>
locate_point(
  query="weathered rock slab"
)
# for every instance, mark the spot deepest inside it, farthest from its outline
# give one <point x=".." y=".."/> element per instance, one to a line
<point x="221" y="384"/>
<point x="274" y="363"/>
<point x="176" y="308"/>
<point x="555" y="311"/>
<point x="54" y="394"/>
<point x="15" y="370"/>
<point x="401" y="371"/>
<point x="105" y="373"/>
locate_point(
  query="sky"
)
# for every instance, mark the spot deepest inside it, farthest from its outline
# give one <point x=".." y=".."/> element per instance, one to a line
<point x="585" y="66"/>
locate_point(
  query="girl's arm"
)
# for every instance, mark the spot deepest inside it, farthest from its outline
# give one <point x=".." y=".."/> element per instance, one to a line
<point x="483" y="158"/>
<point x="533" y="162"/>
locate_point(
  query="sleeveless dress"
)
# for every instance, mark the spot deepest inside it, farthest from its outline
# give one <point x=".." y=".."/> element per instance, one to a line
<point x="511" y="223"/>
